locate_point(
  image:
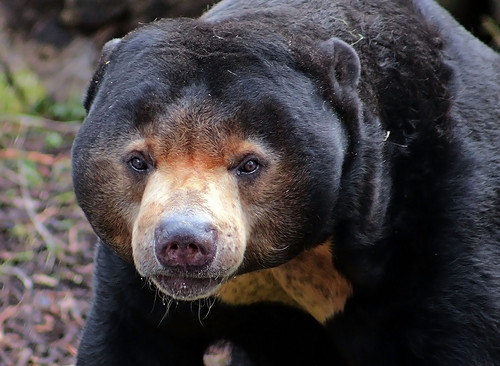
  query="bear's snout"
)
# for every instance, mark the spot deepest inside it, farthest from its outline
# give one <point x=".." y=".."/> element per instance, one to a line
<point x="185" y="243"/>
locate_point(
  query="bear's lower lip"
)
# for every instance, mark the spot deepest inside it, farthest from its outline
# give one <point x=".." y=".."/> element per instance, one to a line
<point x="186" y="288"/>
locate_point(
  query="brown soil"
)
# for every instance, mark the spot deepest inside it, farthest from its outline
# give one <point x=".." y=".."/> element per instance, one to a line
<point x="45" y="247"/>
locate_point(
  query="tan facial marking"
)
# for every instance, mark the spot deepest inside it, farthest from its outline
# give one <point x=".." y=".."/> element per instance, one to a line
<point x="309" y="282"/>
<point x="199" y="184"/>
<point x="193" y="179"/>
<point x="190" y="187"/>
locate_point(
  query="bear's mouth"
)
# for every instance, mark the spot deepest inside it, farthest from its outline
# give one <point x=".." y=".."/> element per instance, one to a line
<point x="187" y="288"/>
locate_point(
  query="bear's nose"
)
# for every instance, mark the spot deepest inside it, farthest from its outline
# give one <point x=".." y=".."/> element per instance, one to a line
<point x="185" y="243"/>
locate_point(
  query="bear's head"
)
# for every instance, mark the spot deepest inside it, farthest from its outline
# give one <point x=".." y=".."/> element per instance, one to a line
<point x="210" y="151"/>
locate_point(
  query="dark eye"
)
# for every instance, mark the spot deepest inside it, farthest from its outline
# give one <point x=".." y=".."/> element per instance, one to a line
<point x="139" y="164"/>
<point x="248" y="167"/>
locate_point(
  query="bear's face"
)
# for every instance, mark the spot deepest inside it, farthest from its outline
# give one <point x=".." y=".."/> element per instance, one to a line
<point x="202" y="157"/>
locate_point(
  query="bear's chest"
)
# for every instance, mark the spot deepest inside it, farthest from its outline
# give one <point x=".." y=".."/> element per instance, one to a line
<point x="309" y="282"/>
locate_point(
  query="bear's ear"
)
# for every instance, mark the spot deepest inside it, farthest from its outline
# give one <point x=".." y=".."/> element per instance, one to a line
<point x="343" y="63"/>
<point x="93" y="87"/>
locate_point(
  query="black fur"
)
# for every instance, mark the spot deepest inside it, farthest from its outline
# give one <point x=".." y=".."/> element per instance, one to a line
<point x="414" y="213"/>
<point x="131" y="324"/>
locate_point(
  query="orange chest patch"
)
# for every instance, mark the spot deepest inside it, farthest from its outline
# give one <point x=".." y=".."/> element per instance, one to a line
<point x="309" y="282"/>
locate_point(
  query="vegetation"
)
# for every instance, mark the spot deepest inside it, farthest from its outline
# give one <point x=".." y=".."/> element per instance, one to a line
<point x="45" y="255"/>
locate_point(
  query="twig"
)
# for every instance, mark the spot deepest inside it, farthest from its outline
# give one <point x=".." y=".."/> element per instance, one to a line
<point x="50" y="240"/>
<point x="9" y="77"/>
<point x="7" y="313"/>
<point x="35" y="156"/>
<point x="42" y="123"/>
<point x="21" y="275"/>
<point x="492" y="28"/>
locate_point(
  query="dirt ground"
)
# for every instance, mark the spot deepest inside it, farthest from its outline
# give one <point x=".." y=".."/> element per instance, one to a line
<point x="46" y="246"/>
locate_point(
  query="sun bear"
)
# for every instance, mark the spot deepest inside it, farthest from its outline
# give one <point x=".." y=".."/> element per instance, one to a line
<point x="297" y="182"/>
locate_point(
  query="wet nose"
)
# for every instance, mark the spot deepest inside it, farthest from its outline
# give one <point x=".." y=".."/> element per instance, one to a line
<point x="185" y="242"/>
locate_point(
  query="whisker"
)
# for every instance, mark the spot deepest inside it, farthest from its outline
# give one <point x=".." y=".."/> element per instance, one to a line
<point x="167" y="308"/>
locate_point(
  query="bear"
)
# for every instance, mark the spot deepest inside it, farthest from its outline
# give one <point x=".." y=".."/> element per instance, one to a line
<point x="295" y="183"/>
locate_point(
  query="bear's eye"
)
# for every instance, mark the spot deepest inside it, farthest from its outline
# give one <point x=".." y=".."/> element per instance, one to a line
<point x="138" y="163"/>
<point x="248" y="166"/>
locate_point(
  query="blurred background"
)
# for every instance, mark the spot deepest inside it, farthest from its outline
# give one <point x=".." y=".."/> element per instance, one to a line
<point x="48" y="50"/>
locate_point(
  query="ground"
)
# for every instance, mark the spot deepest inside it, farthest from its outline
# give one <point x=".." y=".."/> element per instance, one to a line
<point x="46" y="245"/>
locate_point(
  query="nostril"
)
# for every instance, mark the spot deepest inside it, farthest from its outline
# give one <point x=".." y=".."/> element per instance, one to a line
<point x="193" y="248"/>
